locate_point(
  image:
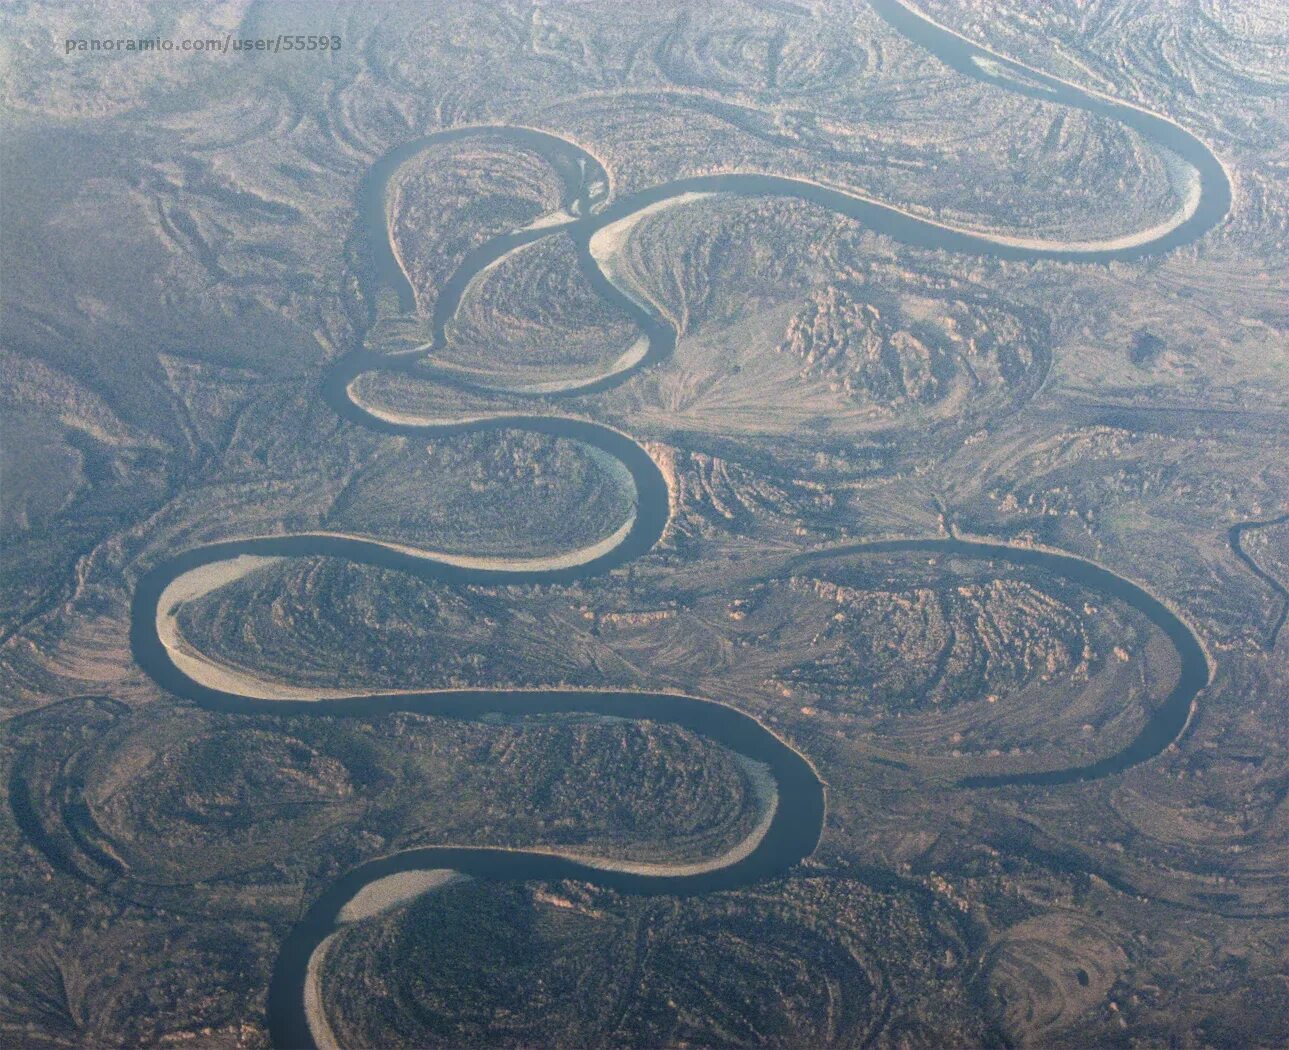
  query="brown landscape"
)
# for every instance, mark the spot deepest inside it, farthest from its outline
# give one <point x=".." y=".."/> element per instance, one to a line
<point x="788" y="503"/>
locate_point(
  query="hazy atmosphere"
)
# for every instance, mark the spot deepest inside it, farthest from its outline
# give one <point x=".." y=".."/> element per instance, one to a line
<point x="644" y="524"/>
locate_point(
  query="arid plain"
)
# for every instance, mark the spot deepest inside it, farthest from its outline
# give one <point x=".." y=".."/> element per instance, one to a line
<point x="790" y="501"/>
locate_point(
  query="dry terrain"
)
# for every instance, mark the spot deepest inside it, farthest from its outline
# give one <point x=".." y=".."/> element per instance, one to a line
<point x="185" y="267"/>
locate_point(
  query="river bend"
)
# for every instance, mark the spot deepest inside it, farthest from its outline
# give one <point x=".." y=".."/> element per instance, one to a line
<point x="794" y="821"/>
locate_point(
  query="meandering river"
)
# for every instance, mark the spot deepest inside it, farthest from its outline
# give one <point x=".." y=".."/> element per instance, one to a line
<point x="794" y="815"/>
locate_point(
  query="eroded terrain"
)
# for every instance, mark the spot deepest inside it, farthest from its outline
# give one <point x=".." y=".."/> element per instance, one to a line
<point x="189" y="263"/>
